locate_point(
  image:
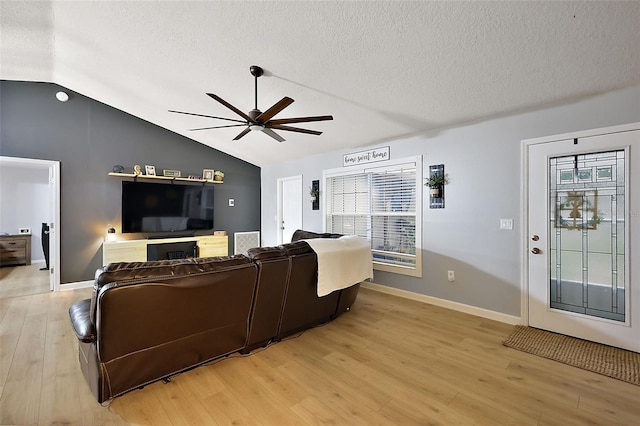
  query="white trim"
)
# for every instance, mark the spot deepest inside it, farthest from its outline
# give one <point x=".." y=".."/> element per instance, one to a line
<point x="454" y="306"/>
<point x="526" y="143"/>
<point x="280" y="208"/>
<point x="417" y="160"/>
<point x="76" y="285"/>
<point x="584" y="133"/>
<point x="54" y="179"/>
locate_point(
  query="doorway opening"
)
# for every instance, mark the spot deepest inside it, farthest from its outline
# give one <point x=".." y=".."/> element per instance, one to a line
<point x="31" y="207"/>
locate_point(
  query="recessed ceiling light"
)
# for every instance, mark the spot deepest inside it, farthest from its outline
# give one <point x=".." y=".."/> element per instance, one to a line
<point x="62" y="96"/>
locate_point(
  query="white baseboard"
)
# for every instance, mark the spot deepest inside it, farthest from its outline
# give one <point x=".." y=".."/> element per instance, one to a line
<point x="76" y="285"/>
<point x="455" y="306"/>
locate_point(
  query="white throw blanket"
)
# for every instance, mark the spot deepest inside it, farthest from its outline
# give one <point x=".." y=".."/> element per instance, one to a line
<point x="342" y="262"/>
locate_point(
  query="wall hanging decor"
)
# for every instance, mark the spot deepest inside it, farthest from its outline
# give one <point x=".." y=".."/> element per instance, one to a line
<point x="436" y="182"/>
<point x="314" y="191"/>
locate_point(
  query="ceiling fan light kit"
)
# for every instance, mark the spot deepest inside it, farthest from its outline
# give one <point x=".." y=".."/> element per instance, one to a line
<point x="256" y="120"/>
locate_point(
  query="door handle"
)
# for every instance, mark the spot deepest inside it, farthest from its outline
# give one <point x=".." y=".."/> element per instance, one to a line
<point x="536" y="250"/>
<point x="535" y="237"/>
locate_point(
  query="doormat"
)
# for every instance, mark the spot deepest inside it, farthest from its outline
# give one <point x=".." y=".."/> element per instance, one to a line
<point x="602" y="359"/>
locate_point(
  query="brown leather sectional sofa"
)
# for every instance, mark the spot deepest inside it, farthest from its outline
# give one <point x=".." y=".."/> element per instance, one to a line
<point x="147" y="321"/>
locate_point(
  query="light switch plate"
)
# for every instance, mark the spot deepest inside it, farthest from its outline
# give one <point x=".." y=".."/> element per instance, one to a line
<point x="231" y="202"/>
<point x="506" y="224"/>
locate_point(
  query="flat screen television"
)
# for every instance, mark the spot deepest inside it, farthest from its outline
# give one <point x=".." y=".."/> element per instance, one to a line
<point x="166" y="207"/>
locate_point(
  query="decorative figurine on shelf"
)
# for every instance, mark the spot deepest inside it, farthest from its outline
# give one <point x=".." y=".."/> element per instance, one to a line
<point x="118" y="169"/>
<point x="137" y="170"/>
<point x="218" y="175"/>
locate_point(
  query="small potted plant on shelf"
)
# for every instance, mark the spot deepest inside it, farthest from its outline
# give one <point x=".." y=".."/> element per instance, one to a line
<point x="218" y="175"/>
<point x="435" y="184"/>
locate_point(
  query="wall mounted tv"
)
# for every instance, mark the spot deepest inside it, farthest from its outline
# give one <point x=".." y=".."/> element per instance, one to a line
<point x="167" y="208"/>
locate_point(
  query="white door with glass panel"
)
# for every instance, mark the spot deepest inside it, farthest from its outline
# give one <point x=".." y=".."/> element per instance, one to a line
<point x="583" y="232"/>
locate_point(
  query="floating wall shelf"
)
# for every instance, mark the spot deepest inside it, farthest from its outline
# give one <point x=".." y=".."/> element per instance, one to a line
<point x="182" y="179"/>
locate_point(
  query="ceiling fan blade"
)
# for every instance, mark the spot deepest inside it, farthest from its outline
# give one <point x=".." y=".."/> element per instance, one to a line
<point x="273" y="134"/>
<point x="301" y="119"/>
<point x="276" y="108"/>
<point x="242" y="133"/>
<point x="231" y="107"/>
<point x="294" y="129"/>
<point x="219" y="127"/>
<point x="208" y="116"/>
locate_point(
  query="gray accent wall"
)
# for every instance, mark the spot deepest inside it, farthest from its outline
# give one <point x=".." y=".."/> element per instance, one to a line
<point x="89" y="138"/>
<point x="483" y="162"/>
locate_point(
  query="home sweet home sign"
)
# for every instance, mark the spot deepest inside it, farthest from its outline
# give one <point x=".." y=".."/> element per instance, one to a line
<point x="363" y="157"/>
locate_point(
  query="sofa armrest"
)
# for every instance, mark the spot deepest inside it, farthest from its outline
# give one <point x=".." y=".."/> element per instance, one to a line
<point x="79" y="313"/>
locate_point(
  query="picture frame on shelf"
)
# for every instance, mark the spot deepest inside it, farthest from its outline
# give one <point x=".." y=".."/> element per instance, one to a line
<point x="171" y="173"/>
<point x="150" y="170"/>
<point x="207" y="174"/>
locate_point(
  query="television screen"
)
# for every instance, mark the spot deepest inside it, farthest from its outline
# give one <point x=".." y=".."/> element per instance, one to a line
<point x="163" y="207"/>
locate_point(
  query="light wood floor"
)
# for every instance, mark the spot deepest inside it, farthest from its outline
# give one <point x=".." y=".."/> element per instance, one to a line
<point x="23" y="280"/>
<point x="389" y="361"/>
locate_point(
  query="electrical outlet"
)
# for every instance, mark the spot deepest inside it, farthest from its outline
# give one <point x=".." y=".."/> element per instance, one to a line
<point x="451" y="276"/>
<point x="231" y="202"/>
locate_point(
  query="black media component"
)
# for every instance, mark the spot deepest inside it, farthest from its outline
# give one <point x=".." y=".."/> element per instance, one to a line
<point x="170" y="251"/>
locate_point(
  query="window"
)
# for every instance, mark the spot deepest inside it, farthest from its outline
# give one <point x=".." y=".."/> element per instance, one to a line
<point x="381" y="204"/>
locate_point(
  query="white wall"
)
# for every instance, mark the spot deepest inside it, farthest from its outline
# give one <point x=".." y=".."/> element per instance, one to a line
<point x="483" y="162"/>
<point x="25" y="203"/>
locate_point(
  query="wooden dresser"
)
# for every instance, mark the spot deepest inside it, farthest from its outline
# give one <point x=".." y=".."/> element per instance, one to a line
<point x="15" y="250"/>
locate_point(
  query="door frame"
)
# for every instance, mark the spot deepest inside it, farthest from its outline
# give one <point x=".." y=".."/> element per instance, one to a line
<point x="54" y="236"/>
<point x="280" y="212"/>
<point x="524" y="237"/>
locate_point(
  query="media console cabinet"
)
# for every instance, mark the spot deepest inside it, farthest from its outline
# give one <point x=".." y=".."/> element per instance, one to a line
<point x="136" y="250"/>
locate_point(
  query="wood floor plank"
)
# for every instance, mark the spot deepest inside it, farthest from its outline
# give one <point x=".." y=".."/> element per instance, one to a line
<point x="20" y="400"/>
<point x="11" y="327"/>
<point x="59" y="387"/>
<point x="23" y="280"/>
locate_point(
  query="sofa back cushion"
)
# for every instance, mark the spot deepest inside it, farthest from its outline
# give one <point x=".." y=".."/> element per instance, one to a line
<point x="300" y="234"/>
<point x="143" y="271"/>
<point x="273" y="272"/>
<point x="302" y="306"/>
<point x="152" y="327"/>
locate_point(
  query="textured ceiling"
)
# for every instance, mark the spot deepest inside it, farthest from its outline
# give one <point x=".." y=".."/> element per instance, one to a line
<point x="384" y="70"/>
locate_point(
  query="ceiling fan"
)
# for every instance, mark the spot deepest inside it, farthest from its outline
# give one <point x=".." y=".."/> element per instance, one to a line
<point x="256" y="120"/>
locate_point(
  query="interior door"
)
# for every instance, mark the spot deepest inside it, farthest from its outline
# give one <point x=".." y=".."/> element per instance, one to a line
<point x="289" y="207"/>
<point x="584" y="229"/>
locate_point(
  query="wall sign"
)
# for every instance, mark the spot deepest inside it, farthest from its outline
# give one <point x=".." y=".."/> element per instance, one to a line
<point x="362" y="157"/>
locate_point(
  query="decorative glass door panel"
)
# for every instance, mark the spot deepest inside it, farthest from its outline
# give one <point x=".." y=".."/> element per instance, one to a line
<point x="586" y="197"/>
<point x="583" y="227"/>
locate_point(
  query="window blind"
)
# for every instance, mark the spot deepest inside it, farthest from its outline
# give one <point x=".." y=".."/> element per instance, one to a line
<point x="380" y="205"/>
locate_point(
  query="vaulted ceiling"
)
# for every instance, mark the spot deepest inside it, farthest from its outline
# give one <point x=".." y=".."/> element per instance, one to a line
<point x="385" y="70"/>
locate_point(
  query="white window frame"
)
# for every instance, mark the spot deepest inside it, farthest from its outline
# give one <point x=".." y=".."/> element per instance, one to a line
<point x="415" y="270"/>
